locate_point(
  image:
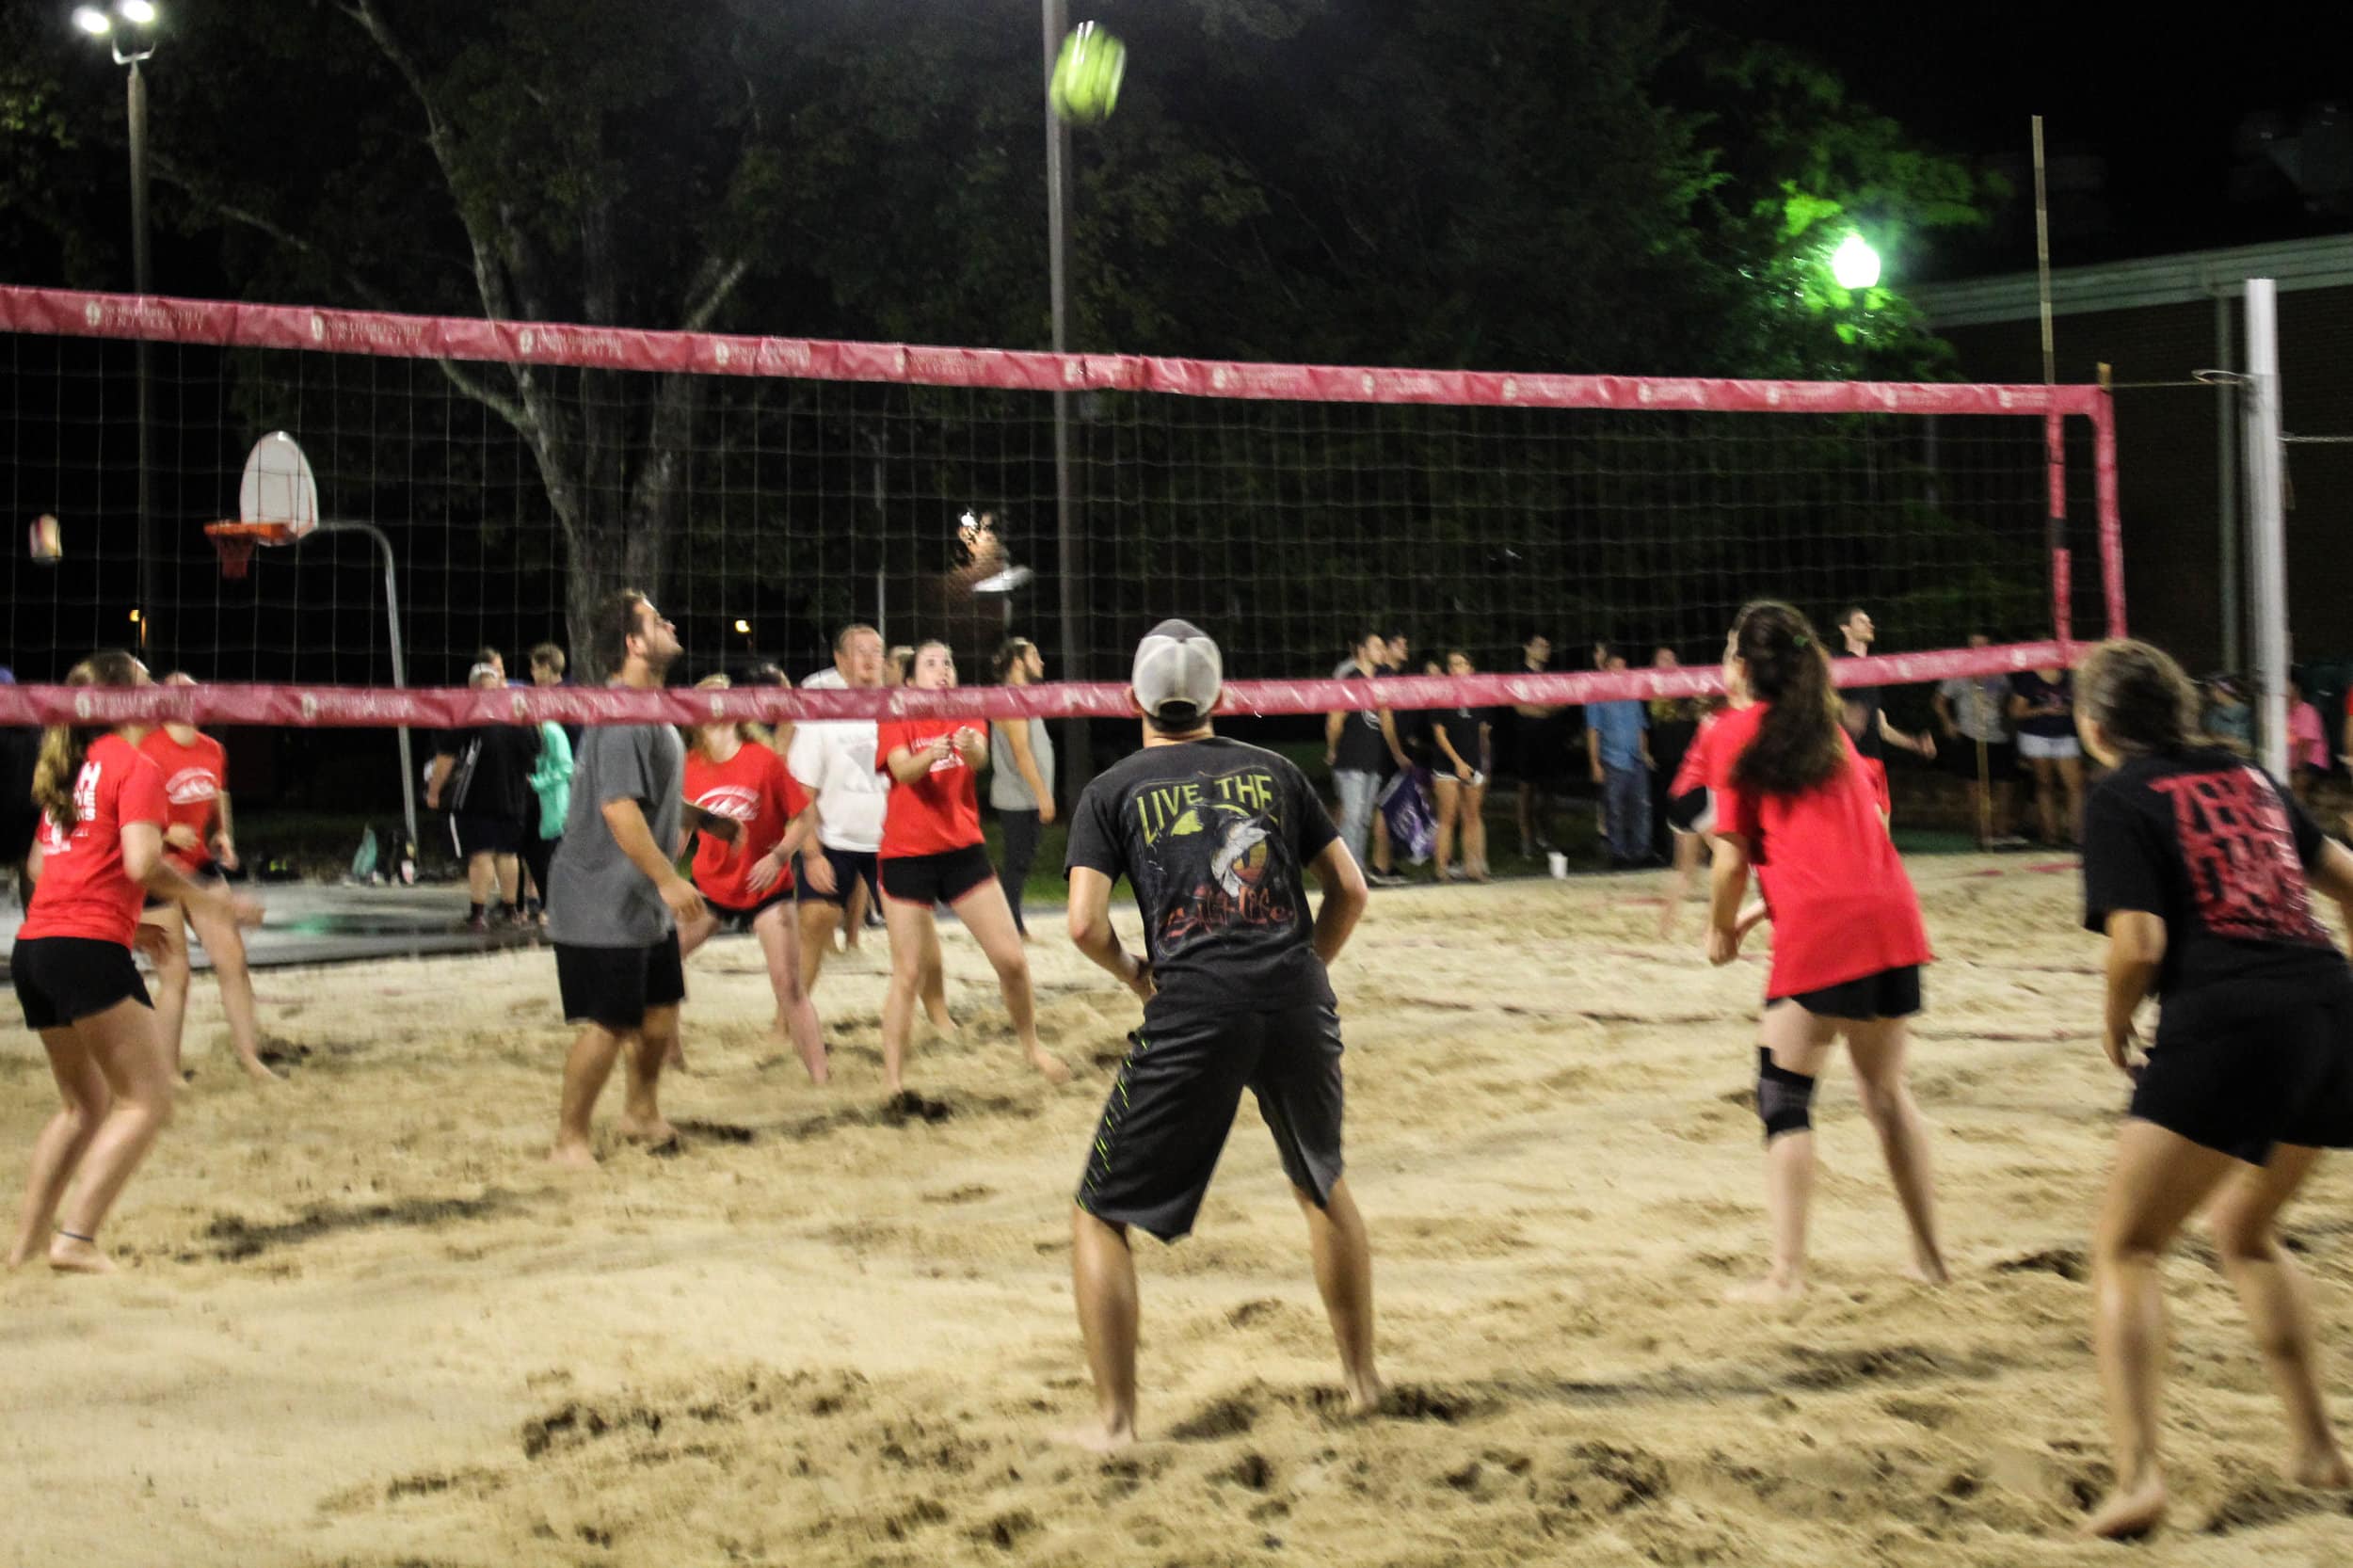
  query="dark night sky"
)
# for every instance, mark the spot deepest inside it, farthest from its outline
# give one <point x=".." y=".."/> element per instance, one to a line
<point x="2159" y="100"/>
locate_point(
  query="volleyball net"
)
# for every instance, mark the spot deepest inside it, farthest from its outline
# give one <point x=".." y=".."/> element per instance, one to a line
<point x="479" y="484"/>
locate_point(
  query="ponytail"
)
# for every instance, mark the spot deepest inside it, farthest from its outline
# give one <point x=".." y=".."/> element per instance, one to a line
<point x="63" y="747"/>
<point x="1798" y="742"/>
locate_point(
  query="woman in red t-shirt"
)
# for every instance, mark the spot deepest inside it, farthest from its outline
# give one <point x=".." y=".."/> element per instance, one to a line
<point x="1793" y="800"/>
<point x="746" y="876"/>
<point x="932" y="853"/>
<point x="197" y="840"/>
<point x="100" y="847"/>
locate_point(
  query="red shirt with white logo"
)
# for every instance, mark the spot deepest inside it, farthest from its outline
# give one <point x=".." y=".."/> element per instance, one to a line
<point x="1842" y="905"/>
<point x="941" y="809"/>
<point x="84" y="891"/>
<point x="192" y="775"/>
<point x="754" y="790"/>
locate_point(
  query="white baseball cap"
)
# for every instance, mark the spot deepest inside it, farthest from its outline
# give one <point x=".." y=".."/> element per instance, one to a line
<point x="1177" y="673"/>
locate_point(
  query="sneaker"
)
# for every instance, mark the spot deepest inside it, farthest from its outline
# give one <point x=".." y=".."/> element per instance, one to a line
<point x="478" y="925"/>
<point x="1386" y="879"/>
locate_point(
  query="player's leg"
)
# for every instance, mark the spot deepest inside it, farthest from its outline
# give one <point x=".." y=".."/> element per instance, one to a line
<point x="911" y="937"/>
<point x="984" y="912"/>
<point x="1877" y="1048"/>
<point x="641" y="1120"/>
<point x="2159" y="1181"/>
<point x="2046" y="798"/>
<point x="778" y="931"/>
<point x="1792" y="1043"/>
<point x="121" y="1041"/>
<point x="2279" y="1306"/>
<point x="58" y="1151"/>
<point x="509" y="869"/>
<point x="481" y="880"/>
<point x="933" y="986"/>
<point x="1342" y="1251"/>
<point x="1103" y="1283"/>
<point x="2071" y="772"/>
<point x="1021" y="835"/>
<point x="224" y="944"/>
<point x="172" y="978"/>
<point x="585" y="1069"/>
<point x="818" y="919"/>
<point x="862" y="898"/>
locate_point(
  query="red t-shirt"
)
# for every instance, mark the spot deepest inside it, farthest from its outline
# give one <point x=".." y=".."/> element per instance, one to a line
<point x="939" y="811"/>
<point x="1699" y="757"/>
<point x="84" y="891"/>
<point x="754" y="788"/>
<point x="192" y="775"/>
<point x="1842" y="905"/>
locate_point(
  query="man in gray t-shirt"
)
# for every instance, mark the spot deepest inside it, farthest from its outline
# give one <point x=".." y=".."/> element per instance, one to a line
<point x="617" y="897"/>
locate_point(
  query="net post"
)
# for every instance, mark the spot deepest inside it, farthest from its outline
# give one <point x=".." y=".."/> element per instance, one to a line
<point x="2267" y="525"/>
<point x="2110" y="513"/>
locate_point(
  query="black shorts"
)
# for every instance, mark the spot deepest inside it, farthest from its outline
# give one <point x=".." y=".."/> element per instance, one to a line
<point x="731" y="918"/>
<point x="850" y="866"/>
<point x="1889" y="994"/>
<point x="63" y="980"/>
<point x="616" y="988"/>
<point x="1692" y="811"/>
<point x="475" y="835"/>
<point x="1960" y="757"/>
<point x="2241" y="1066"/>
<point x="209" y="876"/>
<point x="1165" y="1123"/>
<point x="942" y="878"/>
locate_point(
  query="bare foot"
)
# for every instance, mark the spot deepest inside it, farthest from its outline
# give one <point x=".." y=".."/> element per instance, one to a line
<point x="258" y="1070"/>
<point x="942" y="1019"/>
<point x="1052" y="1068"/>
<point x="572" y="1157"/>
<point x="820" y="1067"/>
<point x="70" y="1254"/>
<point x="1363" y="1394"/>
<point x="1099" y="1438"/>
<point x="1769" y="1292"/>
<point x="2129" y="1512"/>
<point x="2325" y="1468"/>
<point x="1928" y="1270"/>
<point x="676" y="1061"/>
<point x="644" y="1129"/>
<point x="21" y="1254"/>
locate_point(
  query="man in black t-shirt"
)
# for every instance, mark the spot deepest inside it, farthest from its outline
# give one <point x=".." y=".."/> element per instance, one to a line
<point x="483" y="774"/>
<point x="1215" y="837"/>
<point x="1860" y="708"/>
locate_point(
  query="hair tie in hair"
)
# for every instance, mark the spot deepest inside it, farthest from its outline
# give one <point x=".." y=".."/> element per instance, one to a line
<point x="1801" y="640"/>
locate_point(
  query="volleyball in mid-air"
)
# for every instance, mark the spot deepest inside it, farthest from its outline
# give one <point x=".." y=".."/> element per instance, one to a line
<point x="1086" y="77"/>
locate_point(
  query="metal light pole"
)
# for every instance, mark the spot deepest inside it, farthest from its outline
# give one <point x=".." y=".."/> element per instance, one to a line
<point x="1079" y="765"/>
<point x="129" y="28"/>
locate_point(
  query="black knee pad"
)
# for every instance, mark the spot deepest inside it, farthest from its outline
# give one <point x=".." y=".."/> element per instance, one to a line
<point x="1784" y="1100"/>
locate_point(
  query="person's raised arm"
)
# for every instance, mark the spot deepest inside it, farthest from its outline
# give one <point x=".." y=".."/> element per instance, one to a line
<point x="1091" y="931"/>
<point x="635" y="840"/>
<point x="1345" y="896"/>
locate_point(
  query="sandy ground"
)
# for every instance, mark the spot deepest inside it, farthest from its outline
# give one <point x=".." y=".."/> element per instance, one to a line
<point x="361" y="1324"/>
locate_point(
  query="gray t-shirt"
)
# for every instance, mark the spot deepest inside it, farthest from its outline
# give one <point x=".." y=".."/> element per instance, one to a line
<point x="599" y="898"/>
<point x="1007" y="789"/>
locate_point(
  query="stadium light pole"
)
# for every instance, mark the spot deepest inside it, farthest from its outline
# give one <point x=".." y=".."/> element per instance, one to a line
<point x="1079" y="765"/>
<point x="129" y="29"/>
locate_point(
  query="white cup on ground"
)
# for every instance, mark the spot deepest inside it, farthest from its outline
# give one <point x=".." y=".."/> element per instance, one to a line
<point x="1559" y="864"/>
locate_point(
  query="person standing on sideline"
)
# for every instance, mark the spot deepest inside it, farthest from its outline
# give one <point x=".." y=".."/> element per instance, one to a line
<point x="100" y="846"/>
<point x="1539" y="751"/>
<point x="2042" y="704"/>
<point x="1463" y="746"/>
<point x="1215" y="838"/>
<point x="2307" y="741"/>
<point x="2201" y="871"/>
<point x="550" y="788"/>
<point x="1866" y="720"/>
<point x="484" y="772"/>
<point x="1356" y="746"/>
<point x="1021" y="784"/>
<point x="200" y="843"/>
<point x="833" y="762"/>
<point x="1794" y="800"/>
<point x="933" y="854"/>
<point x="617" y="898"/>
<point x="1976" y="708"/>
<point x="1617" y="743"/>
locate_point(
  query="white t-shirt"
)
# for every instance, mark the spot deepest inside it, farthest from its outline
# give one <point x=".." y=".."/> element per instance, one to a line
<point x="833" y="759"/>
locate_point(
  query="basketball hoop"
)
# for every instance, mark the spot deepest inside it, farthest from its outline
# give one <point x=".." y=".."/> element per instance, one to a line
<point x="234" y="542"/>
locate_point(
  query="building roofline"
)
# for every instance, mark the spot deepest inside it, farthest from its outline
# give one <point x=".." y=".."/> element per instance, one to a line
<point x="2322" y="262"/>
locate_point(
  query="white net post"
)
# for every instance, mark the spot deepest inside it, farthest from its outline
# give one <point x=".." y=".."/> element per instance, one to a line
<point x="2267" y="525"/>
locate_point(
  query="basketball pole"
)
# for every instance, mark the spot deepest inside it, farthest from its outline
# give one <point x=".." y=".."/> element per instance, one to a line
<point x="400" y="670"/>
<point x="2267" y="526"/>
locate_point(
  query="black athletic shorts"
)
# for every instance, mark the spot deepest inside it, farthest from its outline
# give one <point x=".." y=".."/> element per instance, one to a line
<point x="1692" y="811"/>
<point x="730" y="918"/>
<point x="1889" y="994"/>
<point x="1165" y="1123"/>
<point x="475" y="835"/>
<point x="616" y="988"/>
<point x="2243" y="1065"/>
<point x="850" y="866"/>
<point x="63" y="980"/>
<point x="942" y="878"/>
<point x="1959" y="757"/>
<point x="209" y="876"/>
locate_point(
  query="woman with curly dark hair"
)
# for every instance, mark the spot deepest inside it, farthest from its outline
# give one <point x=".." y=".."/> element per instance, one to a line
<point x="1794" y="801"/>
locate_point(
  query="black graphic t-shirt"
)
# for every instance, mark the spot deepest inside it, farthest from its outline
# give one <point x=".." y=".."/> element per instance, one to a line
<point x="1214" y="836"/>
<point x="2214" y="849"/>
<point x="1362" y="748"/>
<point x="2041" y="692"/>
<point x="492" y="775"/>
